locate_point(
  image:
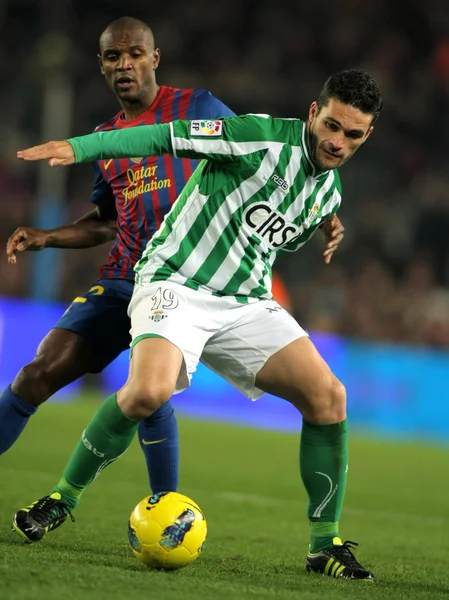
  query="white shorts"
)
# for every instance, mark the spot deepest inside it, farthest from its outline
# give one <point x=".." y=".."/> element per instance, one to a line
<point x="233" y="339"/>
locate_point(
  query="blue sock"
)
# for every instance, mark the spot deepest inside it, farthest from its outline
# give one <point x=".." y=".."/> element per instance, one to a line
<point x="158" y="437"/>
<point x="14" y="415"/>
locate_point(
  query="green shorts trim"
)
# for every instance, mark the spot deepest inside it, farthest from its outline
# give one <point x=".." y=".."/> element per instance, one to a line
<point x="142" y="337"/>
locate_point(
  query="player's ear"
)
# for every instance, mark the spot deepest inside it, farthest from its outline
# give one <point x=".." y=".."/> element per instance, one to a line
<point x="156" y="58"/>
<point x="368" y="133"/>
<point x="313" y="110"/>
<point x="100" y="62"/>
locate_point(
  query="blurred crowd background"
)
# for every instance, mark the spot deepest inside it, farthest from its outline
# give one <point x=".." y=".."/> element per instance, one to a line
<point x="390" y="279"/>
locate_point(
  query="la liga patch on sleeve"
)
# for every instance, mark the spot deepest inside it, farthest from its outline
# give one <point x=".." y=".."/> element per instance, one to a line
<point x="206" y="128"/>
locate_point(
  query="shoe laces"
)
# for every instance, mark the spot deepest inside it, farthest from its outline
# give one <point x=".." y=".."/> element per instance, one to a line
<point x="345" y="555"/>
<point x="47" y="510"/>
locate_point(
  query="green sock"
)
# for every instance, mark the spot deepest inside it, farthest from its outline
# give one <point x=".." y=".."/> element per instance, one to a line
<point x="323" y="466"/>
<point x="108" y="436"/>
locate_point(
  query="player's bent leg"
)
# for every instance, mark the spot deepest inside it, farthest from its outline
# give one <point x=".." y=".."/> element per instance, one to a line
<point x="299" y="374"/>
<point x="61" y="357"/>
<point x="154" y="370"/>
<point x="102" y="319"/>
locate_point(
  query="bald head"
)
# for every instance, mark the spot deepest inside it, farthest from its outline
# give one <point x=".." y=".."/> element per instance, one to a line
<point x="126" y="25"/>
<point x="128" y="61"/>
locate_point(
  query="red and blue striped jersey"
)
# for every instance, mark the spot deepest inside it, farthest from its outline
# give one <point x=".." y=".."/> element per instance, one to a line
<point x="144" y="188"/>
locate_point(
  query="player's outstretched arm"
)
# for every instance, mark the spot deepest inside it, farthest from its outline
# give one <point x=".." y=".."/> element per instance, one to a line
<point x="94" y="228"/>
<point x="58" y="153"/>
<point x="147" y="140"/>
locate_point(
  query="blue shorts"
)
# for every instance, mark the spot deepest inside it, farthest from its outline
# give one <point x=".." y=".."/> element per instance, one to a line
<point x="100" y="317"/>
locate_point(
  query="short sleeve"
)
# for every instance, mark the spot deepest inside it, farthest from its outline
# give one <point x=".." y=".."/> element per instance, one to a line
<point x="102" y="194"/>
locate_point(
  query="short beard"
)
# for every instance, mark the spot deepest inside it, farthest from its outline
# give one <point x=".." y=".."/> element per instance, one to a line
<point x="312" y="140"/>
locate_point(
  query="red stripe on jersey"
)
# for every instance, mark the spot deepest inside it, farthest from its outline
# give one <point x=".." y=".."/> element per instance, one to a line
<point x="184" y="103"/>
<point x="126" y="238"/>
<point x="167" y="117"/>
<point x="109" y="168"/>
<point x="150" y="120"/>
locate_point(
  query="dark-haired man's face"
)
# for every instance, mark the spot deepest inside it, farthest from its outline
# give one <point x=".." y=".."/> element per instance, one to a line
<point x="336" y="132"/>
<point x="128" y="61"/>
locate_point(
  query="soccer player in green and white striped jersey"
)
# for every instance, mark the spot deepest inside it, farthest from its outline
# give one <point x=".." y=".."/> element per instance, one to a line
<point x="203" y="287"/>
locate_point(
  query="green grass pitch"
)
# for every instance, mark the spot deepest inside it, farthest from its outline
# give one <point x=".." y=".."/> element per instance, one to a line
<point x="247" y="483"/>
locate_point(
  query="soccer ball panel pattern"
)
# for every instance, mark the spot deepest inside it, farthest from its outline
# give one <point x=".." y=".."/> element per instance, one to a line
<point x="167" y="531"/>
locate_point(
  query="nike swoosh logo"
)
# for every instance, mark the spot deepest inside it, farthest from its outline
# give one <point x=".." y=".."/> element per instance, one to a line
<point x="153" y="442"/>
<point x="107" y="163"/>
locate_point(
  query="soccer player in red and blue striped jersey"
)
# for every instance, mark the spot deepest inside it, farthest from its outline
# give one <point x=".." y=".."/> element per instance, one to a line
<point x="131" y="197"/>
<point x="145" y="188"/>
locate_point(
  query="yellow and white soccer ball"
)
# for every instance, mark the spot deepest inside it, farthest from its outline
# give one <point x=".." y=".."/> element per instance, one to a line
<point x="167" y="531"/>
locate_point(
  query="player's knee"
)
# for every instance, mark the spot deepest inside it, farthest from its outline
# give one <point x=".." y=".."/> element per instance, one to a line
<point x="338" y="394"/>
<point x="139" y="400"/>
<point x="34" y="382"/>
<point x="328" y="402"/>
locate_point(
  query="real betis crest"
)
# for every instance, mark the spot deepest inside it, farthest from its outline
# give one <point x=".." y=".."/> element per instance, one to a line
<point x="158" y="315"/>
<point x="313" y="213"/>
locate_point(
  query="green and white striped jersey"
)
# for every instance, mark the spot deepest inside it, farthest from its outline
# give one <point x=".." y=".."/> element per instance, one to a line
<point x="256" y="193"/>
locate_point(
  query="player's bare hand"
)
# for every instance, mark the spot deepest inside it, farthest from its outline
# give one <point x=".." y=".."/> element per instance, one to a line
<point x="59" y="154"/>
<point x="333" y="231"/>
<point x="23" y="239"/>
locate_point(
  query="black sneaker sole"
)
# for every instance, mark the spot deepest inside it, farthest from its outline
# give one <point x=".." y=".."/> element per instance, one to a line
<point x="310" y="569"/>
